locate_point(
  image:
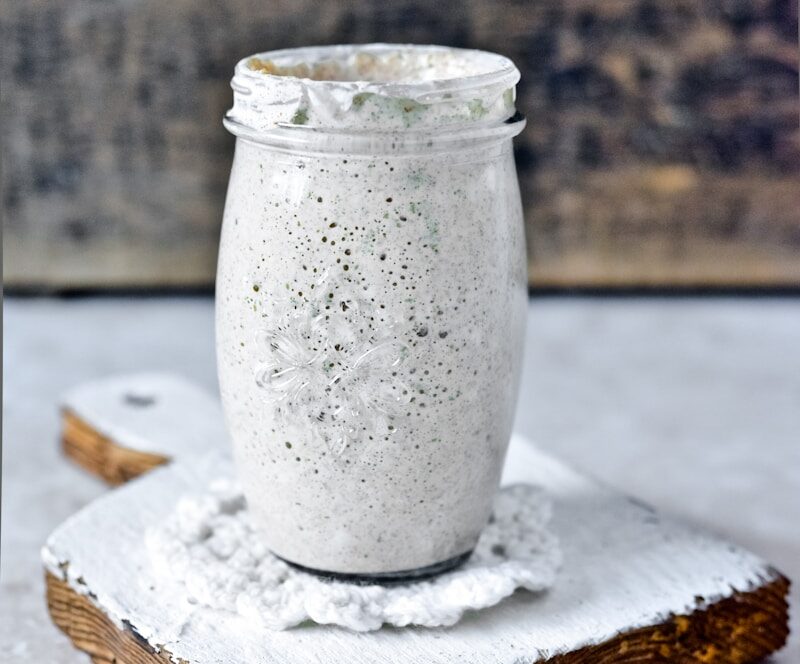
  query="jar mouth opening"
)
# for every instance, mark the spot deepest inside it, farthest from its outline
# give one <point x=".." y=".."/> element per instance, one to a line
<point x="407" y="69"/>
<point x="373" y="87"/>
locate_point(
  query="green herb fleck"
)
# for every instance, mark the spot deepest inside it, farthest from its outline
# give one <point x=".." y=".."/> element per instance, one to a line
<point x="476" y="109"/>
<point x="360" y="99"/>
<point x="300" y="117"/>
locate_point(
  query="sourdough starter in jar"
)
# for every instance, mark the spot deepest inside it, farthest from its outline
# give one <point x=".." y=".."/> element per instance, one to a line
<point x="371" y="301"/>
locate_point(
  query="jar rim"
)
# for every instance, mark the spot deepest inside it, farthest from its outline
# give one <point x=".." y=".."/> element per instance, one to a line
<point x="383" y="87"/>
<point x="504" y="71"/>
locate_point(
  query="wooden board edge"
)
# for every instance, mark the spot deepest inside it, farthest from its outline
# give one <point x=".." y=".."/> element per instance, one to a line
<point x="93" y="632"/>
<point x="740" y="629"/>
<point x="100" y="455"/>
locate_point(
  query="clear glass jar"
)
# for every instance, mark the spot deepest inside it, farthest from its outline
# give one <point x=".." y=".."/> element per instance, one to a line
<point x="371" y="298"/>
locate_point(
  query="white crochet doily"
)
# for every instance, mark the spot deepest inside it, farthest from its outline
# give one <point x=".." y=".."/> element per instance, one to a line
<point x="209" y="545"/>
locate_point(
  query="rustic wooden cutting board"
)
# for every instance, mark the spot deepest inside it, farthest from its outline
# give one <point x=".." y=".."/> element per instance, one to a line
<point x="635" y="587"/>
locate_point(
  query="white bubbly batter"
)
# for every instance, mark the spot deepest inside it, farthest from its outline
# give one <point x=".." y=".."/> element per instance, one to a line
<point x="371" y="303"/>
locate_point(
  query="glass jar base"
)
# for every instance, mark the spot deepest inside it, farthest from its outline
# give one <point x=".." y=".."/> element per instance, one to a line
<point x="386" y="578"/>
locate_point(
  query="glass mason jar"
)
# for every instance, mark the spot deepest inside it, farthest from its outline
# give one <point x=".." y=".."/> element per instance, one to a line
<point x="371" y="299"/>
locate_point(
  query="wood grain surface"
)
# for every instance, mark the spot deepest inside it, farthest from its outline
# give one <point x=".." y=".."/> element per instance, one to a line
<point x="662" y="145"/>
<point x="736" y="627"/>
<point x="101" y="456"/>
<point x="94" y="632"/>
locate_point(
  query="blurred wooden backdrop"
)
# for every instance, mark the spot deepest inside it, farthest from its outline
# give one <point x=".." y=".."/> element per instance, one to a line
<point x="662" y="145"/>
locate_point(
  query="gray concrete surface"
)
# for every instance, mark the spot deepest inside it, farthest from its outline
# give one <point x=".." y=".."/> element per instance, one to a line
<point x="690" y="404"/>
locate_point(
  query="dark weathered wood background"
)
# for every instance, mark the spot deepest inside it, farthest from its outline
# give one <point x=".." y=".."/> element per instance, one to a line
<point x="662" y="146"/>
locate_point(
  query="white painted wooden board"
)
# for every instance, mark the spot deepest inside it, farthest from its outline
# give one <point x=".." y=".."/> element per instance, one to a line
<point x="625" y="567"/>
<point x="160" y="413"/>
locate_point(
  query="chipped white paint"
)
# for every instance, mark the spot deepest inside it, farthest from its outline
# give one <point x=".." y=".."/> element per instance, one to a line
<point x="150" y="412"/>
<point x="210" y="548"/>
<point x="624" y="567"/>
